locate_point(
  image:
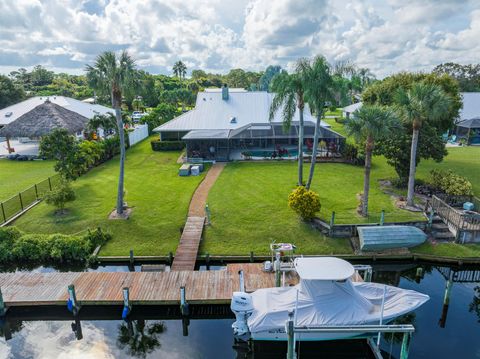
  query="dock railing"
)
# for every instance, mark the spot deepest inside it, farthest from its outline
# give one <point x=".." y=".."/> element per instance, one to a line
<point x="24" y="200"/>
<point x="457" y="219"/>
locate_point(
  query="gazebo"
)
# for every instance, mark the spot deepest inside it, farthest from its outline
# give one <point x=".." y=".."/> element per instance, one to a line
<point x="469" y="130"/>
<point x="42" y="120"/>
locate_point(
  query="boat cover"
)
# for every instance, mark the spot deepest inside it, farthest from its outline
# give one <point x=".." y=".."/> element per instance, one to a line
<point x="323" y="303"/>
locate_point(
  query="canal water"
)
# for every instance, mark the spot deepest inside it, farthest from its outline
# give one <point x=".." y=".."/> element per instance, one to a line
<point x="452" y="332"/>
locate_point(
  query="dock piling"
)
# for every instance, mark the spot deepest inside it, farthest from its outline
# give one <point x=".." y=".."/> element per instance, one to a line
<point x="185" y="310"/>
<point x="405" y="345"/>
<point x="291" y="337"/>
<point x="382" y="217"/>
<point x="170" y="258"/>
<point x="207" y="261"/>
<point x="252" y="259"/>
<point x="126" y="303"/>
<point x="241" y="281"/>
<point x="72" y="303"/>
<point x="132" y="259"/>
<point x="332" y="223"/>
<point x="276" y="267"/>
<point x="446" y="300"/>
<point x="77" y="329"/>
<point x="3" y="310"/>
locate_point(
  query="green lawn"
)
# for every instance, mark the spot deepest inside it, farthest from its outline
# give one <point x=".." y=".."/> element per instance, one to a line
<point x="249" y="209"/>
<point x="16" y="176"/>
<point x="160" y="199"/>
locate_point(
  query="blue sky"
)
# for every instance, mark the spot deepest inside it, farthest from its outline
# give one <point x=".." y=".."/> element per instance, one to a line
<point x="386" y="36"/>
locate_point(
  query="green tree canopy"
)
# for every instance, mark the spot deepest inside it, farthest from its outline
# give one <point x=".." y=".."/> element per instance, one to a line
<point x="9" y="92"/>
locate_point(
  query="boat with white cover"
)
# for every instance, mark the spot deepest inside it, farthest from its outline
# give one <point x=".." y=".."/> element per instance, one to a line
<point x="325" y="296"/>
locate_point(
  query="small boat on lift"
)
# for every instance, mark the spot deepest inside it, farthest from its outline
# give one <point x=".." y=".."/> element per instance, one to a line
<point x="325" y="296"/>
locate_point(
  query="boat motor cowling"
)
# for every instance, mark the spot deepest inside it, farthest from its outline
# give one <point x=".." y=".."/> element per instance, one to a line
<point x="242" y="306"/>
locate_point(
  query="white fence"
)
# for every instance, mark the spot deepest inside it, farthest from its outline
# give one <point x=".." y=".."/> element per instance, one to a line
<point x="139" y="133"/>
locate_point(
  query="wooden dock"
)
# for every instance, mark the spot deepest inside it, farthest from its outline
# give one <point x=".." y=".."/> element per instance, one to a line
<point x="146" y="288"/>
<point x="187" y="249"/>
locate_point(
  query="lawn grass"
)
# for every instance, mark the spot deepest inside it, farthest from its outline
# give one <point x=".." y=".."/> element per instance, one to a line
<point x="159" y="198"/>
<point x="16" y="176"/>
<point x="249" y="204"/>
<point x="249" y="211"/>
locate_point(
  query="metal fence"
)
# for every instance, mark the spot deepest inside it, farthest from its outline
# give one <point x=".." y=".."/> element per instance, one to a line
<point x="21" y="201"/>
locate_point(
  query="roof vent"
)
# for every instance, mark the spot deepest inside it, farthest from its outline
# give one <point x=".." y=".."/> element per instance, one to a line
<point x="225" y="92"/>
<point x="8" y="114"/>
<point x="233" y="119"/>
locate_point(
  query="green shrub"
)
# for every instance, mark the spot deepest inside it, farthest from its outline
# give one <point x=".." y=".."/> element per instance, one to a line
<point x="17" y="247"/>
<point x="305" y="202"/>
<point x="450" y="183"/>
<point x="158" y="145"/>
<point x="60" y="195"/>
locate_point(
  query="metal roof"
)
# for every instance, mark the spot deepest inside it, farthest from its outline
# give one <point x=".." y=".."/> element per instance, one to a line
<point x="11" y="113"/>
<point x="471" y="106"/>
<point x="353" y="107"/>
<point x="472" y="123"/>
<point x="213" y="113"/>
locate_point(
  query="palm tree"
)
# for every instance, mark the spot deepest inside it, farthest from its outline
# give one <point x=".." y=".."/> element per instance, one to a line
<point x="288" y="91"/>
<point x="318" y="88"/>
<point x="140" y="338"/>
<point x="423" y="103"/>
<point x="179" y="69"/>
<point x="114" y="75"/>
<point x="368" y="125"/>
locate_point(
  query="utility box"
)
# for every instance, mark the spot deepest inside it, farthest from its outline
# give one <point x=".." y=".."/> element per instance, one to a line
<point x="195" y="170"/>
<point x="184" y="170"/>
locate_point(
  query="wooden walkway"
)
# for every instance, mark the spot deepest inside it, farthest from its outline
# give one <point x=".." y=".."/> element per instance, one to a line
<point x="187" y="249"/>
<point x="146" y="288"/>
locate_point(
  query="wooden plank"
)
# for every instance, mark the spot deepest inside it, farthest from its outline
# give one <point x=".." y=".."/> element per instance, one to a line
<point x="187" y="249"/>
<point x="146" y="288"/>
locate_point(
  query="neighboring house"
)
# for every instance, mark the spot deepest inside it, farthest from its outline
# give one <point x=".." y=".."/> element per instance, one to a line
<point x="350" y="109"/>
<point x="228" y="122"/>
<point x="11" y="113"/>
<point x="468" y="124"/>
<point x="26" y="122"/>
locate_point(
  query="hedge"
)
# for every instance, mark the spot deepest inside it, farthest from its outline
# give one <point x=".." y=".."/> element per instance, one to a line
<point x="158" y="145"/>
<point x="17" y="247"/>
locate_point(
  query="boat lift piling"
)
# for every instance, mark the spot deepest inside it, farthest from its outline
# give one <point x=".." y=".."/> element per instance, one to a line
<point x="127" y="307"/>
<point x="72" y="303"/>
<point x="406" y="329"/>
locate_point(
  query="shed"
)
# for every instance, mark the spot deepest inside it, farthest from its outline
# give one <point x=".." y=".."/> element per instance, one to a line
<point x="376" y="238"/>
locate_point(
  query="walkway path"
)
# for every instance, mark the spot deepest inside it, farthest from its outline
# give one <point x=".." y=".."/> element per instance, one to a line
<point x="187" y="250"/>
<point x="199" y="199"/>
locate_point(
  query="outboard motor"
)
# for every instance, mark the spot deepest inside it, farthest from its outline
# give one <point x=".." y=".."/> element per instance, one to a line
<point x="242" y="307"/>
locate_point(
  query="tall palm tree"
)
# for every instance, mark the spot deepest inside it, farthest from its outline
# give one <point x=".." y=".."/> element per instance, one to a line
<point x="179" y="69"/>
<point x="423" y="103"/>
<point x="369" y="124"/>
<point x="114" y="75"/>
<point x="317" y="77"/>
<point x="288" y="91"/>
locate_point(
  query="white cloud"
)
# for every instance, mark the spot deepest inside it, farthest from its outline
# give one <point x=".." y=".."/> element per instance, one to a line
<point x="219" y="35"/>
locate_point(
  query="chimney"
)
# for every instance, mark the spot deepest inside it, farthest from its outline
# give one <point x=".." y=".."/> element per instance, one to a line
<point x="225" y="92"/>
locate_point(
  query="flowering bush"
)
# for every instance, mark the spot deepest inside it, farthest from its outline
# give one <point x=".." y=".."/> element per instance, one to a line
<point x="450" y="183"/>
<point x="305" y="202"/>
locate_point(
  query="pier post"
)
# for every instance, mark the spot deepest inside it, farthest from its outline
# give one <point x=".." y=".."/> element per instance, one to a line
<point x="332" y="223"/>
<point x="72" y="303"/>
<point x="446" y="300"/>
<point x="252" y="258"/>
<point x="184" y="310"/>
<point x="126" y="303"/>
<point x="3" y="310"/>
<point x="276" y="266"/>
<point x="405" y="345"/>
<point x="382" y="217"/>
<point x="241" y="280"/>
<point x="207" y="261"/>
<point x="368" y="275"/>
<point x="132" y="261"/>
<point x="170" y="258"/>
<point x="291" y="337"/>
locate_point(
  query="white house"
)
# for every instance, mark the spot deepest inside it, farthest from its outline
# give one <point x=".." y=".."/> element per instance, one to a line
<point x="226" y="122"/>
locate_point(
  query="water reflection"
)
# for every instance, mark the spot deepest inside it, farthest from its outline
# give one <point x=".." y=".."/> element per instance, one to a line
<point x="140" y="337"/>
